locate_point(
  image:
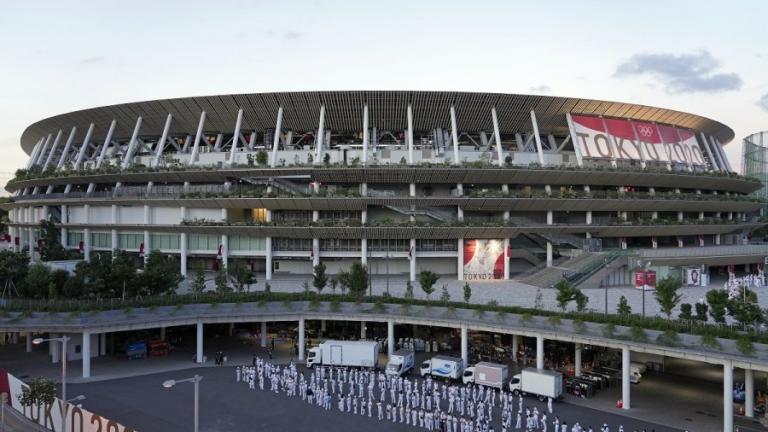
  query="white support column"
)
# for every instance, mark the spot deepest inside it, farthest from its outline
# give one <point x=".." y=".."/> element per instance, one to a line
<point x="102" y="344"/>
<point x="497" y="137"/>
<point x="537" y="138"/>
<point x="460" y="260"/>
<point x="86" y="352"/>
<point x="749" y="393"/>
<point x="390" y="337"/>
<point x="625" y="380"/>
<point x="128" y="157"/>
<point x="364" y="251"/>
<point x="539" y="352"/>
<point x="87" y="233"/>
<point x="506" y="258"/>
<point x="464" y="345"/>
<point x="35" y="151"/>
<point x="268" y="259"/>
<point x="576" y="144"/>
<point x="83" y="147"/>
<point x="67" y="147"/>
<point x="276" y="138"/>
<point x="49" y="156"/>
<point x="183" y="254"/>
<point x="301" y="339"/>
<point x="54" y="348"/>
<point x="713" y="159"/>
<point x="577" y="360"/>
<point x="40" y="158"/>
<point x="236" y="137"/>
<point x="723" y="156"/>
<point x="163" y="139"/>
<point x="64" y="220"/>
<point x="199" y="340"/>
<point x="549" y="254"/>
<point x="225" y="250"/>
<point x="728" y="396"/>
<point x="454" y="136"/>
<point x="196" y="142"/>
<point x="320" y="137"/>
<point x="412" y="252"/>
<point x="263" y="334"/>
<point x="362" y="330"/>
<point x="105" y="146"/>
<point x="410" y="135"/>
<point x="366" y="134"/>
<point x="515" y="347"/>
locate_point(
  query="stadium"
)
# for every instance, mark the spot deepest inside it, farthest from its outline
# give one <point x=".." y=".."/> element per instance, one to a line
<point x="473" y="186"/>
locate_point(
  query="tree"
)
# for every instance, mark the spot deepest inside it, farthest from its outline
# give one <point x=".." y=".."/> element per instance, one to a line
<point x="717" y="300"/>
<point x="744" y="308"/>
<point x="198" y="283"/>
<point x="39" y="392"/>
<point x="427" y="280"/>
<point x="261" y="157"/>
<point x="686" y="312"/>
<point x="566" y="293"/>
<point x="701" y="311"/>
<point x="581" y="300"/>
<point x="445" y="297"/>
<point x="161" y="275"/>
<point x="50" y="246"/>
<point x="241" y="276"/>
<point x="222" y="280"/>
<point x="666" y="294"/>
<point x="623" y="309"/>
<point x="13" y="269"/>
<point x="356" y="279"/>
<point x="37" y="281"/>
<point x="467" y="292"/>
<point x="319" y="278"/>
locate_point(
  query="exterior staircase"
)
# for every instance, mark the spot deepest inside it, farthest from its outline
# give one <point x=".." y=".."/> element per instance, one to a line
<point x="546" y="277"/>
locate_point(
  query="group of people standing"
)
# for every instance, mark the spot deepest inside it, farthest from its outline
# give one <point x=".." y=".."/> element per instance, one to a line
<point x="426" y="404"/>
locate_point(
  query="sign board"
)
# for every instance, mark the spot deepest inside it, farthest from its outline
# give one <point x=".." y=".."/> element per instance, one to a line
<point x="645" y="278"/>
<point x="483" y="259"/>
<point x="604" y="138"/>
<point x="693" y="276"/>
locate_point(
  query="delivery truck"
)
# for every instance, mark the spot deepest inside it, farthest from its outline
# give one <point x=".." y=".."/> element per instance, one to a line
<point x="537" y="382"/>
<point x="400" y="362"/>
<point x="487" y="374"/>
<point x="442" y="367"/>
<point x="344" y="353"/>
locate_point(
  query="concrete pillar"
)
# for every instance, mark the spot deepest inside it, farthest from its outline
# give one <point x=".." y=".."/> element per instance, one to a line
<point x="460" y="260"/>
<point x="515" y="347"/>
<point x="539" y="352"/>
<point x="162" y="333"/>
<point x="269" y="259"/>
<point x="549" y="254"/>
<point x="364" y="251"/>
<point x="577" y="360"/>
<point x="315" y="252"/>
<point x="183" y="254"/>
<point x="464" y="344"/>
<point x="86" y="352"/>
<point x="728" y="396"/>
<point x="263" y="334"/>
<point x="506" y="258"/>
<point x="412" y="253"/>
<point x="199" y="352"/>
<point x="749" y="393"/>
<point x="102" y="344"/>
<point x="225" y="251"/>
<point x="301" y="339"/>
<point x="54" y="348"/>
<point x="29" y="342"/>
<point x="362" y="330"/>
<point x="390" y="337"/>
<point x="625" y="381"/>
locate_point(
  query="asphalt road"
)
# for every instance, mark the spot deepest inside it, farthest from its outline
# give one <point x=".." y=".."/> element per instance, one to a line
<point x="142" y="403"/>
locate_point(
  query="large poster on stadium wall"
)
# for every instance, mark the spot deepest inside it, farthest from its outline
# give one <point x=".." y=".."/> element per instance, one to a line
<point x="607" y="138"/>
<point x="49" y="416"/>
<point x="483" y="259"/>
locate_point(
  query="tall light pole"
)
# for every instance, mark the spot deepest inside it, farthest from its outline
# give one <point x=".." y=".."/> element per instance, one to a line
<point x="64" y="339"/>
<point x="196" y="380"/>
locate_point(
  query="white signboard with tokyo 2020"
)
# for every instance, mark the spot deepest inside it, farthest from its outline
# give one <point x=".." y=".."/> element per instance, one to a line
<point x="608" y="138"/>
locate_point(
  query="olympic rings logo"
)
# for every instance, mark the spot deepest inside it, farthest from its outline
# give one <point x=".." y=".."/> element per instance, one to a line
<point x="645" y="130"/>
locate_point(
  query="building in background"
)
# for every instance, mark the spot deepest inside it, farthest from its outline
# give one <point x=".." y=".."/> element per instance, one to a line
<point x="754" y="162"/>
<point x="474" y="186"/>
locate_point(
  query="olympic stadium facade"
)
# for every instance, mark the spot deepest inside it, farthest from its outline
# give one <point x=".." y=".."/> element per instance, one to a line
<point x="473" y="186"/>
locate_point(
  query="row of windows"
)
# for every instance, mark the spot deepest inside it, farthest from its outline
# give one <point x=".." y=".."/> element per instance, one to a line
<point x="243" y="243"/>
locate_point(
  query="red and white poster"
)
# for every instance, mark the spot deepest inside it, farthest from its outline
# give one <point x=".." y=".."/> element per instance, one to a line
<point x="483" y="259"/>
<point x="645" y="278"/>
<point x="608" y="138"/>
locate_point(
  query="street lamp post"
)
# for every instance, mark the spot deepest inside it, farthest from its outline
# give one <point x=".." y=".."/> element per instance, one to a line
<point x="64" y="339"/>
<point x="195" y="380"/>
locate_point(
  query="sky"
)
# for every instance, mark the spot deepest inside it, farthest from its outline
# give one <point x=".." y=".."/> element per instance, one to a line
<point x="705" y="57"/>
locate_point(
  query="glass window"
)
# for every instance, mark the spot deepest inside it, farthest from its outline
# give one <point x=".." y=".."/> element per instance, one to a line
<point x="73" y="238"/>
<point x="101" y="240"/>
<point x="165" y="241"/>
<point x="203" y="242"/>
<point x="244" y="243"/>
<point x="130" y="241"/>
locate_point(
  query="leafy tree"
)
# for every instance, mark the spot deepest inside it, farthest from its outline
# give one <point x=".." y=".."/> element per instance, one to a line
<point x="686" y="312"/>
<point x="467" y="292"/>
<point x="241" y="276"/>
<point x="623" y="309"/>
<point x="261" y="157"/>
<point x="106" y="276"/>
<point x="744" y="308"/>
<point x="160" y="276"/>
<point x="581" y="300"/>
<point x="666" y="294"/>
<point x="222" y="280"/>
<point x="701" y="311"/>
<point x="408" y="290"/>
<point x="50" y="242"/>
<point x="39" y="392"/>
<point x="319" y="278"/>
<point x="718" y="301"/>
<point x="37" y="281"/>
<point x="427" y="279"/>
<point x="198" y="283"/>
<point x="356" y="279"/>
<point x="13" y="268"/>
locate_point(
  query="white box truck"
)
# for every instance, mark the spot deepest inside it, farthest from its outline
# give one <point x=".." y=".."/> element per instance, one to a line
<point x="488" y="374"/>
<point x="537" y="382"/>
<point x="400" y="362"/>
<point x="442" y="367"/>
<point x="344" y="353"/>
